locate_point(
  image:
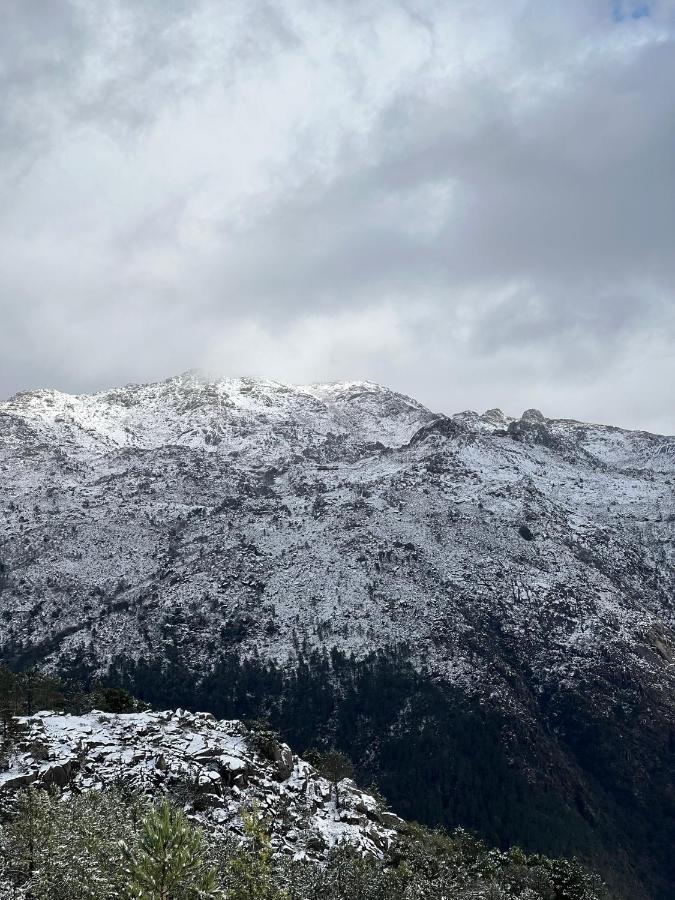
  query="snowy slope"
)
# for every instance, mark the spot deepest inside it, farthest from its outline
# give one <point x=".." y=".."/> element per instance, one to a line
<point x="191" y="511"/>
<point x="526" y="563"/>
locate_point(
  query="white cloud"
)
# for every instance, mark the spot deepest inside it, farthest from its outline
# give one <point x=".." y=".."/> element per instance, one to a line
<point x="344" y="346"/>
<point x="472" y="202"/>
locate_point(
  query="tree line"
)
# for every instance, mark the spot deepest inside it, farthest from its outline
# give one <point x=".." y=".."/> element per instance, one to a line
<point x="113" y="844"/>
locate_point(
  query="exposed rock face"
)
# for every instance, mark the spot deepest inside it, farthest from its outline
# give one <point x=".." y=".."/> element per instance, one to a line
<point x="212" y="766"/>
<point x="533" y="415"/>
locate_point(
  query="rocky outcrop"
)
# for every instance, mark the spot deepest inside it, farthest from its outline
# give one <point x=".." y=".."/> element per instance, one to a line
<point x="212" y="767"/>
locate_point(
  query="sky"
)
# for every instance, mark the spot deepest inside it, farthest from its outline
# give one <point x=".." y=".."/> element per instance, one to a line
<point x="470" y="201"/>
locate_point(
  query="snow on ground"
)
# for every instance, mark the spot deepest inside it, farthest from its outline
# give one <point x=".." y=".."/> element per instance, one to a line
<point x="213" y="767"/>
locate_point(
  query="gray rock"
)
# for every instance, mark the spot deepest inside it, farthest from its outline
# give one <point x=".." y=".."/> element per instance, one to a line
<point x="14" y="781"/>
<point x="57" y="774"/>
<point x="283" y="759"/>
<point x="391" y="820"/>
<point x="217" y="787"/>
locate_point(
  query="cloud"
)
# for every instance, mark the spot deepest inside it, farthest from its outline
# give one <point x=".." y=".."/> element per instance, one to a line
<point x="472" y="202"/>
<point x="314" y="348"/>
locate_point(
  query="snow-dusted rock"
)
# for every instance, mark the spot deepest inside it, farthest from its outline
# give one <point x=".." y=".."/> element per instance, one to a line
<point x="141" y="750"/>
<point x="241" y="515"/>
<point x="283" y="758"/>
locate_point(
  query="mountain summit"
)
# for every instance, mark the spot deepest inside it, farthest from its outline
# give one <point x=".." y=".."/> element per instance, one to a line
<point x="192" y="410"/>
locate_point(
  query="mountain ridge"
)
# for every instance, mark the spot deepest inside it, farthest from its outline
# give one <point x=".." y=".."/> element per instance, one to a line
<point x="196" y="377"/>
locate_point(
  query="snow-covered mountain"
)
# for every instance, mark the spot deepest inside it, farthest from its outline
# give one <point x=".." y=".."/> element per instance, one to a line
<point x="344" y="515"/>
<point x="526" y="563"/>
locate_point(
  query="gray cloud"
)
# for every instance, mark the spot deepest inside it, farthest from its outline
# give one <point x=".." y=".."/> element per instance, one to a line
<point x="471" y="202"/>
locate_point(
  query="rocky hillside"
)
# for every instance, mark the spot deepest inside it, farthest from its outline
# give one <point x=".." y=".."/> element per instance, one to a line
<point x="341" y="515"/>
<point x="242" y="543"/>
<point x="216" y="768"/>
<point x="177" y="804"/>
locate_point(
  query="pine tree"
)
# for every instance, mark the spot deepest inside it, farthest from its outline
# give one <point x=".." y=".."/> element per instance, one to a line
<point x="23" y="842"/>
<point x="334" y="765"/>
<point x="53" y="848"/>
<point x="10" y="706"/>
<point x="250" y="872"/>
<point x="167" y="862"/>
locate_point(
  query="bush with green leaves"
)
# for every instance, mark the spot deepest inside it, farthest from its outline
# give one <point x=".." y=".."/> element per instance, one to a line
<point x="248" y="871"/>
<point x="430" y="865"/>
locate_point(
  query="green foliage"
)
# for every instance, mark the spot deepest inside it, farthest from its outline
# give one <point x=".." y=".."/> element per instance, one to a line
<point x="461" y="865"/>
<point x="437" y="866"/>
<point x="347" y="876"/>
<point x="167" y="860"/>
<point x="115" y="700"/>
<point x="26" y="841"/>
<point x="107" y="845"/>
<point x="249" y="872"/>
<point x="56" y="850"/>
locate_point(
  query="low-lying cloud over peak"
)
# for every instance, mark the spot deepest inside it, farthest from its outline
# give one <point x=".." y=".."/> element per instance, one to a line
<point x="471" y="202"/>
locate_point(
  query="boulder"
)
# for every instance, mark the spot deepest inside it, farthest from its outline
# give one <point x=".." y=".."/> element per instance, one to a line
<point x="283" y="761"/>
<point x="57" y="774"/>
<point x="14" y="781"/>
<point x="390" y="820"/>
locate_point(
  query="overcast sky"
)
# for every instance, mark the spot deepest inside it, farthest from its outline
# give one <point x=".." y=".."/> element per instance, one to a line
<point x="471" y="201"/>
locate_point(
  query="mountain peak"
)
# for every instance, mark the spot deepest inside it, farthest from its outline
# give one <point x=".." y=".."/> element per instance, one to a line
<point x="533" y="415"/>
<point x="198" y="409"/>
